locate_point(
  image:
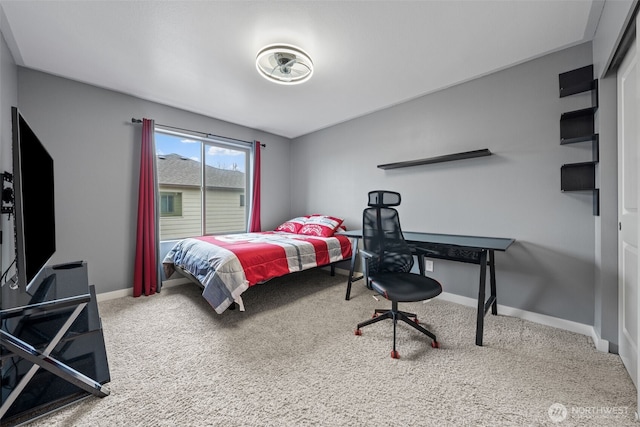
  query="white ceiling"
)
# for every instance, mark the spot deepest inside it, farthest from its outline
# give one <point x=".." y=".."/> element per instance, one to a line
<point x="200" y="55"/>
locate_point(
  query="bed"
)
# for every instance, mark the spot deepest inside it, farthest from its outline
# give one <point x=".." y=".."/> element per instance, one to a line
<point x="227" y="265"/>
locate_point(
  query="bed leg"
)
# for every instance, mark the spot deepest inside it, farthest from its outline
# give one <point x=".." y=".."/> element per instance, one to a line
<point x="333" y="269"/>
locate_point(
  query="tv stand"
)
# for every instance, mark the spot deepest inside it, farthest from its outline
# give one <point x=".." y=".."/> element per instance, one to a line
<point x="51" y="346"/>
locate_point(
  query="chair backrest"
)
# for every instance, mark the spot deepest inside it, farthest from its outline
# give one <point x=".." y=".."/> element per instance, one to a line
<point x="382" y="235"/>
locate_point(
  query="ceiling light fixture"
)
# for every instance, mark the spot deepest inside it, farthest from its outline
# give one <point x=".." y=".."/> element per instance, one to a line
<point x="284" y="64"/>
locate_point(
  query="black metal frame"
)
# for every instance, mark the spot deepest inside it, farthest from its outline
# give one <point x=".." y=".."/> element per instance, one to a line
<point x="42" y="358"/>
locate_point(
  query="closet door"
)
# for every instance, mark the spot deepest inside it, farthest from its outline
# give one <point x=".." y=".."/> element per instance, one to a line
<point x="628" y="192"/>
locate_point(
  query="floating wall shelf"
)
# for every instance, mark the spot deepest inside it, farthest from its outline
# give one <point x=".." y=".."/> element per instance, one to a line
<point x="581" y="177"/>
<point x="578" y="176"/>
<point x="439" y="159"/>
<point x="578" y="81"/>
<point x="579" y="126"/>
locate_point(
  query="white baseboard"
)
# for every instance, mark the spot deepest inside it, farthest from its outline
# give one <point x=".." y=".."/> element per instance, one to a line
<point x="105" y="296"/>
<point x="543" y="319"/>
<point x="175" y="282"/>
<point x="600" y="343"/>
<point x="340" y="271"/>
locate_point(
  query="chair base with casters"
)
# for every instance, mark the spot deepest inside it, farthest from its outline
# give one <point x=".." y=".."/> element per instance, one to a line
<point x="402" y="287"/>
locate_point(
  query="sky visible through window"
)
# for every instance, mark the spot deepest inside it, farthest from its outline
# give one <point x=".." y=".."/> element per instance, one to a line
<point x="219" y="157"/>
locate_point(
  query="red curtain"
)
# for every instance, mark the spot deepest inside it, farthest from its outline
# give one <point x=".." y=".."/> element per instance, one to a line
<point x="254" y="223"/>
<point x="146" y="266"/>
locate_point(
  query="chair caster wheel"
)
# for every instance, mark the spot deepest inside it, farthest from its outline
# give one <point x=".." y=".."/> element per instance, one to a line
<point x="358" y="332"/>
<point x="435" y="344"/>
<point x="395" y="354"/>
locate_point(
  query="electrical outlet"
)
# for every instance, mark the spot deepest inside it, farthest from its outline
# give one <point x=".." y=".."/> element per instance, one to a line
<point x="428" y="265"/>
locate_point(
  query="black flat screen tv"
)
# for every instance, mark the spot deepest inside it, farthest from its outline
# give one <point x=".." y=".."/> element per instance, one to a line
<point x="34" y="224"/>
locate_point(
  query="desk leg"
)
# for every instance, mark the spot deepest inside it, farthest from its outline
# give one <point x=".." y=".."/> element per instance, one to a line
<point x="481" y="296"/>
<point x="354" y="254"/>
<point x="492" y="274"/>
<point x="421" y="264"/>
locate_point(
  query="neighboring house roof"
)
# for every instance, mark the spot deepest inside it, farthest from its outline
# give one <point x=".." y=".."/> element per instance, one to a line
<point x="173" y="169"/>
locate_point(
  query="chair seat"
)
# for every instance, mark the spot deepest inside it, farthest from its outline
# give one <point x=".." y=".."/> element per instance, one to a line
<point x="405" y="287"/>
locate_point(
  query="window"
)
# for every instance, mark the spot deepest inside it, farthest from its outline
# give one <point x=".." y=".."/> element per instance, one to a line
<point x="170" y="204"/>
<point x="201" y="197"/>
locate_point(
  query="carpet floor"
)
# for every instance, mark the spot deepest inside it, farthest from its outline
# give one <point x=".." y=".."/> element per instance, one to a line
<point x="292" y="359"/>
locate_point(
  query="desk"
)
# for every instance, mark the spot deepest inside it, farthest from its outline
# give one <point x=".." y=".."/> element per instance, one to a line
<point x="469" y="249"/>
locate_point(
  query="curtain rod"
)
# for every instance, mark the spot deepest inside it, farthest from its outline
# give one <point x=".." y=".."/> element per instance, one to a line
<point x="208" y="135"/>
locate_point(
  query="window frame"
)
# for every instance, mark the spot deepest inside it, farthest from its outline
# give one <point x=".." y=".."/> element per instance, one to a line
<point x="173" y="195"/>
<point x="206" y="141"/>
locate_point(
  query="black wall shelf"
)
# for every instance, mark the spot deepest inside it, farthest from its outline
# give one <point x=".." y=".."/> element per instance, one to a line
<point x="439" y="159"/>
<point x="579" y="126"/>
<point x="578" y="176"/>
<point x="578" y="81"/>
<point x="581" y="177"/>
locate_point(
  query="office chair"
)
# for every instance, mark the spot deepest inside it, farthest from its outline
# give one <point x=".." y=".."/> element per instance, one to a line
<point x="387" y="260"/>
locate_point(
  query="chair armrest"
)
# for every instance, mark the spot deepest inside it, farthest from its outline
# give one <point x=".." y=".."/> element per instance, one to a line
<point x="366" y="255"/>
<point x="421" y="253"/>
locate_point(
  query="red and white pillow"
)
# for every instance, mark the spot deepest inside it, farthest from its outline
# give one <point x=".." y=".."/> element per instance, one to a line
<point x="293" y="225"/>
<point x="320" y="225"/>
<point x="312" y="225"/>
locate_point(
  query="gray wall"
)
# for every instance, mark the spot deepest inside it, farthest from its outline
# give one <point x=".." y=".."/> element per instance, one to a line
<point x="606" y="231"/>
<point x="514" y="193"/>
<point x="88" y="132"/>
<point x="8" y="98"/>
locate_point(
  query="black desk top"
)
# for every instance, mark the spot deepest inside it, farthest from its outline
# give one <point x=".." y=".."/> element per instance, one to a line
<point x="474" y="242"/>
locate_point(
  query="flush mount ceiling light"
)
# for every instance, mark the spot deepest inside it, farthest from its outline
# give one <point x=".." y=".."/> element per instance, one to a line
<point x="284" y="64"/>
